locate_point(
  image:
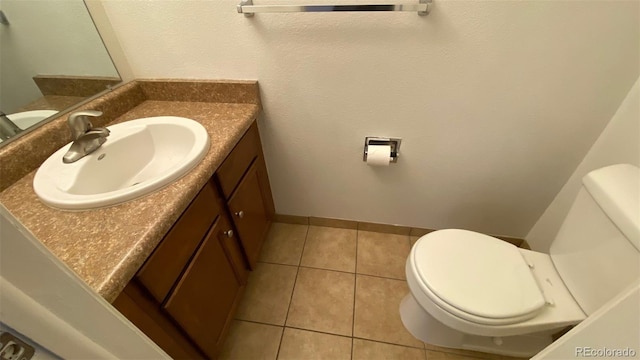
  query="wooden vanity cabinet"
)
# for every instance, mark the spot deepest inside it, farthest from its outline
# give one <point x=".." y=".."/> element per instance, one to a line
<point x="243" y="180"/>
<point x="205" y="295"/>
<point x="185" y="295"/>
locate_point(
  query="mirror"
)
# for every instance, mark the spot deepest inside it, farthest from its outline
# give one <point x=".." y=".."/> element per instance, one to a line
<point x="51" y="59"/>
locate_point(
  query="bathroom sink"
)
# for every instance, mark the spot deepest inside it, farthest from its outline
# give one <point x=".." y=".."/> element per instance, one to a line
<point x="139" y="157"/>
<point x="26" y="119"/>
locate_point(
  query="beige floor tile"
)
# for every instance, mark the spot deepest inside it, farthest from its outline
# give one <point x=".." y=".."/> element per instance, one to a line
<point x="371" y="350"/>
<point x="437" y="355"/>
<point x="268" y="293"/>
<point x="309" y="345"/>
<point x="323" y="301"/>
<point x="330" y="248"/>
<point x="464" y="354"/>
<point x="251" y="341"/>
<point x="377" y="315"/>
<point x="382" y="254"/>
<point x="284" y="244"/>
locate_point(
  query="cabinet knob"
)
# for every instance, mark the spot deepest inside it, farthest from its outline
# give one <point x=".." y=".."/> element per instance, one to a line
<point x="240" y="214"/>
<point x="228" y="233"/>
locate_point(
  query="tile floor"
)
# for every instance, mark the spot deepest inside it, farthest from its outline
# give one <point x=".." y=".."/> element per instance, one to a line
<point x="329" y="293"/>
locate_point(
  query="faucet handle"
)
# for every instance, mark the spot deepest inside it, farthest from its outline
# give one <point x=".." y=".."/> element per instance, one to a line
<point x="79" y="122"/>
<point x="96" y="133"/>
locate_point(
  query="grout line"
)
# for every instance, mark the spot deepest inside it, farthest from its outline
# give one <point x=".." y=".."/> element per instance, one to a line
<point x="280" y="344"/>
<point x="382" y="277"/>
<point x="355" y="287"/>
<point x="275" y="263"/>
<point x="351" y="348"/>
<point x="340" y="271"/>
<point x="389" y="343"/>
<point x="318" y="331"/>
<point x="287" y="315"/>
<point x="442" y="350"/>
<point x="262" y="323"/>
<point x="300" y="328"/>
<point x="325" y="269"/>
<point x="347" y="272"/>
<point x="259" y="322"/>
<point x="353" y="337"/>
<point x="295" y="280"/>
<point x="304" y="244"/>
<point x="340" y="335"/>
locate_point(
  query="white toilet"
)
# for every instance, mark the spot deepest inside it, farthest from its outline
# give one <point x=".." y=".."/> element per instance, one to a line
<point x="473" y="291"/>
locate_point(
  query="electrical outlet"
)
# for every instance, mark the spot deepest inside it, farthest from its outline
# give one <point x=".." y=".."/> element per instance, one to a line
<point x="12" y="348"/>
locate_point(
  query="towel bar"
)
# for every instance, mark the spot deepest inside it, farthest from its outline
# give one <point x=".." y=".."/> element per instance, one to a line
<point x="247" y="8"/>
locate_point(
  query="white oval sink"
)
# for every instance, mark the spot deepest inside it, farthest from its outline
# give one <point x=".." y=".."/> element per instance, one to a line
<point x="27" y="119"/>
<point x="139" y="157"/>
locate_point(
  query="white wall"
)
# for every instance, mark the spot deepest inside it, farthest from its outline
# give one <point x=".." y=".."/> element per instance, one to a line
<point x="45" y="301"/>
<point x="48" y="38"/>
<point x="618" y="143"/>
<point x="496" y="101"/>
<point x="109" y="38"/>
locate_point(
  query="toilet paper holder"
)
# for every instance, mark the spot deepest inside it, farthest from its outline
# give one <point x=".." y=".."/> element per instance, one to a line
<point x="394" y="143"/>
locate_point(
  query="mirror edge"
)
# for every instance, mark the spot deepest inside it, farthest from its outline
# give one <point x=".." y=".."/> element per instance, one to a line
<point x="60" y="114"/>
<point x="101" y="22"/>
<point x="109" y="39"/>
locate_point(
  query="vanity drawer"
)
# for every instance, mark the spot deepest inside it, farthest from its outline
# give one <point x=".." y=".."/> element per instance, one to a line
<point x="166" y="263"/>
<point x="238" y="161"/>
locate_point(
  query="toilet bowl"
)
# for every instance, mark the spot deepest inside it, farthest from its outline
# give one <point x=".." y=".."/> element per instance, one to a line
<point x="509" y="292"/>
<point x="473" y="291"/>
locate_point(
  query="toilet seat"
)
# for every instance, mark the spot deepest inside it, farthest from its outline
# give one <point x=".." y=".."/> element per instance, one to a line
<point x="476" y="277"/>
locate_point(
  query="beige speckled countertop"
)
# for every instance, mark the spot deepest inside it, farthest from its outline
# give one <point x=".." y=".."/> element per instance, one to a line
<point x="107" y="246"/>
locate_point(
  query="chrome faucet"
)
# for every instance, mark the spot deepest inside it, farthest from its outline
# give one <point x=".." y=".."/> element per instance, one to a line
<point x="7" y="127"/>
<point x="86" y="138"/>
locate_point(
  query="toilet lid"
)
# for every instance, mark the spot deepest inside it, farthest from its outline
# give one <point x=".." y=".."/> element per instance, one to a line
<point x="477" y="274"/>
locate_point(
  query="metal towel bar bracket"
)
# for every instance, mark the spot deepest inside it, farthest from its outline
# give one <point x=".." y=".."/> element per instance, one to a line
<point x="247" y="8"/>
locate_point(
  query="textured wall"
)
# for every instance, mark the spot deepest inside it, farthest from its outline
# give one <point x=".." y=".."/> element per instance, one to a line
<point x="496" y="101"/>
<point x="618" y="143"/>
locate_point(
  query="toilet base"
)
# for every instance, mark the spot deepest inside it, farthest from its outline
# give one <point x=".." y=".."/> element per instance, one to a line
<point x="425" y="327"/>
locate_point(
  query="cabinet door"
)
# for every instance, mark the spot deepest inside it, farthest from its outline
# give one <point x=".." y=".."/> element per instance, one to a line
<point x="205" y="295"/>
<point x="145" y="313"/>
<point x="249" y="214"/>
<point x="167" y="262"/>
<point x="229" y="240"/>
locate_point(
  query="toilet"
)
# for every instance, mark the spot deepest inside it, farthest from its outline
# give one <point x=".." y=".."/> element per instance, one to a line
<point x="473" y="291"/>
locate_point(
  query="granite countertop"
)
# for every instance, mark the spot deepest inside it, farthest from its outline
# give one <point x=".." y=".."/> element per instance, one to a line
<point x="107" y="246"/>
